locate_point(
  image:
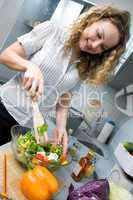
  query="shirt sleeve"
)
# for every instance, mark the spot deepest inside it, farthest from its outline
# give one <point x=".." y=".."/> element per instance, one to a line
<point x="34" y="40"/>
<point x="75" y="89"/>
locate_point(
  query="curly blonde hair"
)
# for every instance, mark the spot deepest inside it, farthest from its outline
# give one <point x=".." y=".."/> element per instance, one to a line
<point x="96" y="69"/>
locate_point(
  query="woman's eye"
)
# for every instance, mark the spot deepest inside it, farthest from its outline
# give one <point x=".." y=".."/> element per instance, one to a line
<point x="99" y="35"/>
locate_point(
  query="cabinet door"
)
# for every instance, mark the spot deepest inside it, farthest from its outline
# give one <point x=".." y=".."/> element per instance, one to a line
<point x="124" y="76"/>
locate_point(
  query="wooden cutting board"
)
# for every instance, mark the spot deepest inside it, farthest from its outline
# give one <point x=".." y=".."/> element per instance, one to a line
<point x="14" y="173"/>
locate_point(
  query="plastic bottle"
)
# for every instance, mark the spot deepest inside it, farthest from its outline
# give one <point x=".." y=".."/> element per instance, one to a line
<point x="106" y="131"/>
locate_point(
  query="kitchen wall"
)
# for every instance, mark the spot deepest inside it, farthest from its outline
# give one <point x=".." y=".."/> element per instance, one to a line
<point x="1" y="2"/>
<point x="14" y="15"/>
<point x="9" y="11"/>
<point x="125" y="75"/>
<point x="120" y="3"/>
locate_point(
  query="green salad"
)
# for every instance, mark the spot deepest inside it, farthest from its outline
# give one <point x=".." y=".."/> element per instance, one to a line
<point x="29" y="153"/>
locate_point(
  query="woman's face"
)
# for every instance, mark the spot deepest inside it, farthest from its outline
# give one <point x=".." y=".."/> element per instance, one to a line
<point x="98" y="37"/>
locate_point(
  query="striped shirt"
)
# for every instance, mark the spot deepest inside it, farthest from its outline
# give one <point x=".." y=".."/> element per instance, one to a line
<point x="44" y="47"/>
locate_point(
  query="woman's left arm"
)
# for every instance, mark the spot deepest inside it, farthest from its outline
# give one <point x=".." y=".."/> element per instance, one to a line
<point x="60" y="133"/>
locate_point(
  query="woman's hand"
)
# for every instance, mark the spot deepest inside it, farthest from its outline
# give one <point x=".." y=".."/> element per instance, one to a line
<point x="61" y="137"/>
<point x="33" y="81"/>
<point x="60" y="133"/>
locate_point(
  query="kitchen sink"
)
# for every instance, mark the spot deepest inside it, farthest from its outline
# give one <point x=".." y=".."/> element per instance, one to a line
<point x="92" y="146"/>
<point x="92" y="143"/>
<point x="82" y="134"/>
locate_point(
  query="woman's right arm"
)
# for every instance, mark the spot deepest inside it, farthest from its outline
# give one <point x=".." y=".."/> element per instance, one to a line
<point x="15" y="58"/>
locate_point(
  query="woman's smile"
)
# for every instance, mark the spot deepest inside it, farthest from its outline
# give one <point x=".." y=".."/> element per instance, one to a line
<point x="86" y="46"/>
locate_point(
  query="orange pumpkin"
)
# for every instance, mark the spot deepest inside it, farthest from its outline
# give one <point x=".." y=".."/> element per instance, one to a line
<point x="46" y="176"/>
<point x="39" y="184"/>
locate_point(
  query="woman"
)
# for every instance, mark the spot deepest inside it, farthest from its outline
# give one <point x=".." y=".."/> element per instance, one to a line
<point x="58" y="61"/>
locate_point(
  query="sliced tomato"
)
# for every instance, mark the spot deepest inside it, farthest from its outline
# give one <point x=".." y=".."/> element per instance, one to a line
<point x="41" y="157"/>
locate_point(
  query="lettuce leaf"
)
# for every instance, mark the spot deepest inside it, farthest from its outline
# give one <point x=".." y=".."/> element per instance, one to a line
<point x="42" y="129"/>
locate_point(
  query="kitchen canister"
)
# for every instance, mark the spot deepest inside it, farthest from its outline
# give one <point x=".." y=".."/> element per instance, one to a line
<point x="106" y="131"/>
<point x="92" y="110"/>
<point x="93" y="113"/>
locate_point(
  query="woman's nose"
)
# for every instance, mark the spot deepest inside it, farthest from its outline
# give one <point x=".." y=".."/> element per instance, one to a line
<point x="89" y="44"/>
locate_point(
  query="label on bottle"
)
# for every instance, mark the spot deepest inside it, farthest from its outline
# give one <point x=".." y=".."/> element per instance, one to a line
<point x="77" y="169"/>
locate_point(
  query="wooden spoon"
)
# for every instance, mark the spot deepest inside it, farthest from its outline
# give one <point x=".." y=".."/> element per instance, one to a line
<point x="38" y="121"/>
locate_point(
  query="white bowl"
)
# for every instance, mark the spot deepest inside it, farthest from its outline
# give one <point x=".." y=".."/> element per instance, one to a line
<point x="125" y="159"/>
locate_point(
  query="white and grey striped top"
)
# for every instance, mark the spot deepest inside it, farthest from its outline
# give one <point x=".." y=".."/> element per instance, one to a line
<point x="44" y="47"/>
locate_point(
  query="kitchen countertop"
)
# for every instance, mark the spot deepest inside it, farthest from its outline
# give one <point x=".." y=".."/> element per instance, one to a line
<point x="102" y="167"/>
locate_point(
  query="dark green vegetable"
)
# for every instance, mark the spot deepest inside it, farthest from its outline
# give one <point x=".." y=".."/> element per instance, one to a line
<point x="47" y="147"/>
<point x="58" y="150"/>
<point x="128" y="146"/>
<point x="32" y="148"/>
<point x="40" y="148"/>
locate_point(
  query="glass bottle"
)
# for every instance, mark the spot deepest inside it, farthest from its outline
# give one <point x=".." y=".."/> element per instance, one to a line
<point x="82" y="166"/>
